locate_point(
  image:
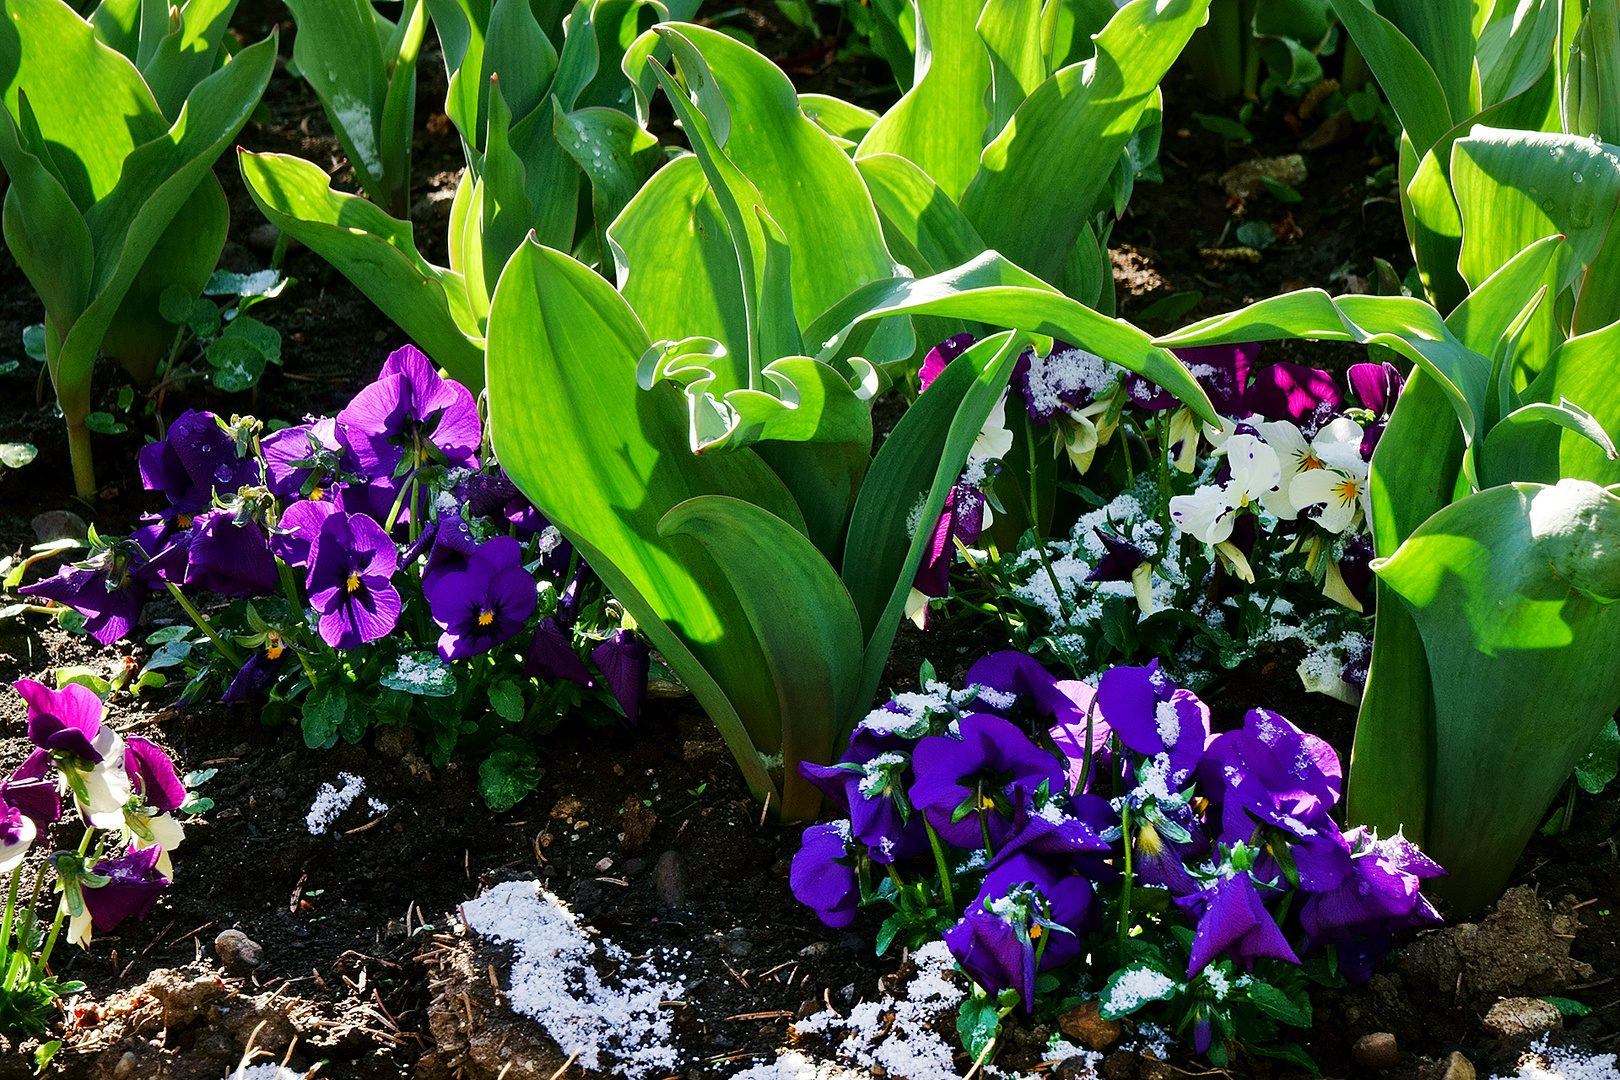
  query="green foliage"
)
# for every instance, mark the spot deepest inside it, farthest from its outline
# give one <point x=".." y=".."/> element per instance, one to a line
<point x="1226" y="54"/>
<point x="363" y="68"/>
<point x="108" y="140"/>
<point x="1493" y="531"/>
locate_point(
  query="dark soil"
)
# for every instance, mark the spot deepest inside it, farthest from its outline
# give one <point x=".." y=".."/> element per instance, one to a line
<point x="649" y="835"/>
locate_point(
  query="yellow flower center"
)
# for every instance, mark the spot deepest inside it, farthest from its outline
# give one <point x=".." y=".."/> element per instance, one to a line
<point x="422" y="456"/>
<point x="1348" y="490"/>
<point x="1148" y="841"/>
<point x="1310" y="461"/>
<point x="353" y="584"/>
<point x="316" y="494"/>
<point x="273" y="652"/>
<point x="1035" y="932"/>
<point x="986" y="803"/>
<point x="184" y="521"/>
<point x="486" y="617"/>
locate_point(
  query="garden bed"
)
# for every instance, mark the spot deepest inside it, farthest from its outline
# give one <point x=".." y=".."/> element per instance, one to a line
<point x="366" y="964"/>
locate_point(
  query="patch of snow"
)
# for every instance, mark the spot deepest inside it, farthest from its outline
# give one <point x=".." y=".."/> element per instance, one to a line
<point x="1562" y="1063"/>
<point x="555" y="982"/>
<point x="330" y="802"/>
<point x="263" y="1072"/>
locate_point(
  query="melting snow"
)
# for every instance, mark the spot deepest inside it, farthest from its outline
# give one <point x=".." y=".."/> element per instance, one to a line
<point x="330" y="802"/>
<point x="1560" y="1063"/>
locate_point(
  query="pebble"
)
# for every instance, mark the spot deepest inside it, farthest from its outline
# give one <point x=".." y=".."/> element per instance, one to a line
<point x="237" y="951"/>
<point x="735" y="943"/>
<point x="54" y="525"/>
<point x="1376" y="1051"/>
<point x="815" y="948"/>
<point x="1120" y="1065"/>
<point x="126" y="1066"/>
<point x="1512" y="1017"/>
<point x="1072" y="1068"/>
<point x="669" y="878"/>
<point x="1458" y="1067"/>
<point x="1083" y="1022"/>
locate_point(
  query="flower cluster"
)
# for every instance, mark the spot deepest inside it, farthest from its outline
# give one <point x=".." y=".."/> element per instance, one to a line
<point x="383" y="560"/>
<point x="127" y="795"/>
<point x="1030" y="821"/>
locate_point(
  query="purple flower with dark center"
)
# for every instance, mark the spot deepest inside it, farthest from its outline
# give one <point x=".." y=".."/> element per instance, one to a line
<point x="167" y="545"/>
<point x="230" y="555"/>
<point x="63" y="721"/>
<point x="305" y="461"/>
<point x="484" y="605"/>
<point x="823" y="874"/>
<point x="133" y="887"/>
<point x="497" y="498"/>
<point x="965" y="785"/>
<point x="624" y="660"/>
<point x="350" y="568"/>
<point x="196" y="458"/>
<point x="410" y="410"/>
<point x="1272" y="773"/>
<point x="1285" y="391"/>
<point x="941" y="355"/>
<point x="452" y="549"/>
<point x="1011" y="680"/>
<point x="1222" y="370"/>
<point x="104" y="590"/>
<point x="1356" y="569"/>
<point x="1026" y="919"/>
<point x="870" y="783"/>
<point x="1376" y="386"/>
<point x="1152" y="716"/>
<point x="29" y="790"/>
<point x="297" y="528"/>
<point x="1064" y="380"/>
<point x="152" y="774"/>
<point x="1051" y="830"/>
<point x="1120" y="561"/>
<point x="257" y="674"/>
<point x="1233" y="920"/>
<point x="17" y="833"/>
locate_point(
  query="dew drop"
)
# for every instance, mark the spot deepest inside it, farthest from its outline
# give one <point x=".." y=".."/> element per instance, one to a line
<point x="1578" y="178"/>
<point x="222" y="474"/>
<point x="596" y="151"/>
<point x="1546" y="206"/>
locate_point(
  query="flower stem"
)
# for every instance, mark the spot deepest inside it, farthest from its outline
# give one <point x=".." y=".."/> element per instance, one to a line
<point x="61" y="910"/>
<point x="943" y="866"/>
<point x="399" y="503"/>
<point x="1125" y="883"/>
<point x="5" y="928"/>
<point x="225" y="649"/>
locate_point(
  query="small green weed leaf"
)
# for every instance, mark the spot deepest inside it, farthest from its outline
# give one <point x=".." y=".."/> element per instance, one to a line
<point x="1601" y="764"/>
<point x="102" y="423"/>
<point x="505" y="777"/>
<point x="324" y="712"/>
<point x="422" y="674"/>
<point x="1256" y="234"/>
<point x="506" y="698"/>
<point x="1225" y="127"/>
<point x="1131" y="987"/>
<point x="34" y="342"/>
<point x="1281" y="191"/>
<point x="1567" y="1007"/>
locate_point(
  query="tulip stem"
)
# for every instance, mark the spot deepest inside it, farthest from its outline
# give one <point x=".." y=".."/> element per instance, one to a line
<point x="225" y="649"/>
<point x="943" y="866"/>
<point x="5" y="928"/>
<point x="1086" y="759"/>
<point x="61" y="907"/>
<point x="1125" y="883"/>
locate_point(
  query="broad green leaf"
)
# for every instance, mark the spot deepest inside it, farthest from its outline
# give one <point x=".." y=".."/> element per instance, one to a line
<point x="1592" y="89"/>
<point x="675" y="261"/>
<point x="1520" y="449"/>
<point x="1481" y="321"/>
<point x="1443" y="32"/>
<point x="45" y="232"/>
<point x="939" y="123"/>
<point x="1513" y="591"/>
<point x="905" y="492"/>
<point x="1583" y="370"/>
<point x="1041" y="177"/>
<point x="614" y="152"/>
<point x="922" y="226"/>
<point x="1518" y="186"/>
<point x="618" y="24"/>
<point x="92" y="106"/>
<point x="518" y="53"/>
<point x="809" y="185"/>
<point x="837" y="117"/>
<point x="1406" y="77"/>
<point x="399" y="106"/>
<point x="605" y="461"/>
<point x="805" y="623"/>
<point x="375" y="252"/>
<point x="1515" y="47"/>
<point x="187" y="56"/>
<point x="991" y="290"/>
<point x="340" y="56"/>
<point x="1013" y="32"/>
<point x="507" y="209"/>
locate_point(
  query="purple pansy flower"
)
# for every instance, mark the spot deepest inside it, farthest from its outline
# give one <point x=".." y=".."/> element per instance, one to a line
<point x="410" y="408"/>
<point x="196" y="458"/>
<point x="29" y="790"/>
<point x="297" y="528"/>
<point x="624" y="660"/>
<point x="152" y="774"/>
<point x="1380" y="894"/>
<point x="451" y="550"/>
<point x="1152" y="716"/>
<point x="823" y="874"/>
<point x="167" y="545"/>
<point x="350" y="568"/>
<point x="940" y="356"/>
<point x="1120" y="559"/>
<point x="1376" y="386"/>
<point x="962" y="520"/>
<point x="1270" y="772"/>
<point x="1010" y="679"/>
<point x="304" y="461"/>
<point x="551" y="654"/>
<point x="64" y="721"/>
<point x="496" y="497"/>
<point x="230" y="555"/>
<point x="133" y="887"/>
<point x="484" y="605"/>
<point x="1233" y="920"/>
<point x="17" y="833"/>
<point x="870" y="783"/>
<point x="106" y="592"/>
<point x="1023" y="902"/>
<point x="257" y="674"/>
<point x="1222" y="370"/>
<point x="1285" y="391"/>
<point x="971" y="779"/>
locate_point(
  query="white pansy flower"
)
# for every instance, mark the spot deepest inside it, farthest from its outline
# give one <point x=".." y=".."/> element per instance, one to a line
<point x="995" y="438"/>
<point x="1255" y="468"/>
<point x="1340" y="493"/>
<point x="1207" y="513"/>
<point x="15" y="849"/>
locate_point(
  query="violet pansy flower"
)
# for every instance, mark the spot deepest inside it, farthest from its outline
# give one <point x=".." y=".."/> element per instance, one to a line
<point x="822" y="875"/>
<point x="1285" y="391"/>
<point x="304" y="461"/>
<point x="230" y="555"/>
<point x="152" y="773"/>
<point x="1152" y="716"/>
<point x="870" y="783"/>
<point x="484" y="605"/>
<point x="29" y="790"/>
<point x="297" y="528"/>
<point x="66" y="721"/>
<point x="1025" y="907"/>
<point x="624" y="660"/>
<point x="410" y="409"/>
<point x="350" y="570"/>
<point x="132" y="889"/>
<point x="941" y="355"/>
<point x="17" y="833"/>
<point x="1380" y="894"/>
<point x="256" y="675"/>
<point x="965" y="786"/>
<point x="196" y="459"/>
<point x="104" y="591"/>
<point x="1233" y="921"/>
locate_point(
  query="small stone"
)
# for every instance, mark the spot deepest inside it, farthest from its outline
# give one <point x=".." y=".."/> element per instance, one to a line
<point x="736" y="943"/>
<point x="54" y="525"/>
<point x="603" y="865"/>
<point x="1154" y="1069"/>
<point x="1121" y="1065"/>
<point x="669" y="878"/>
<point x="1376" y="1051"/>
<point x="638" y="821"/>
<point x="1072" y="1068"/>
<point x="1511" y="1017"/>
<point x="238" y="952"/>
<point x="815" y="948"/>
<point x="1458" y="1067"/>
<point x="1083" y="1022"/>
<point x="126" y="1066"/>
